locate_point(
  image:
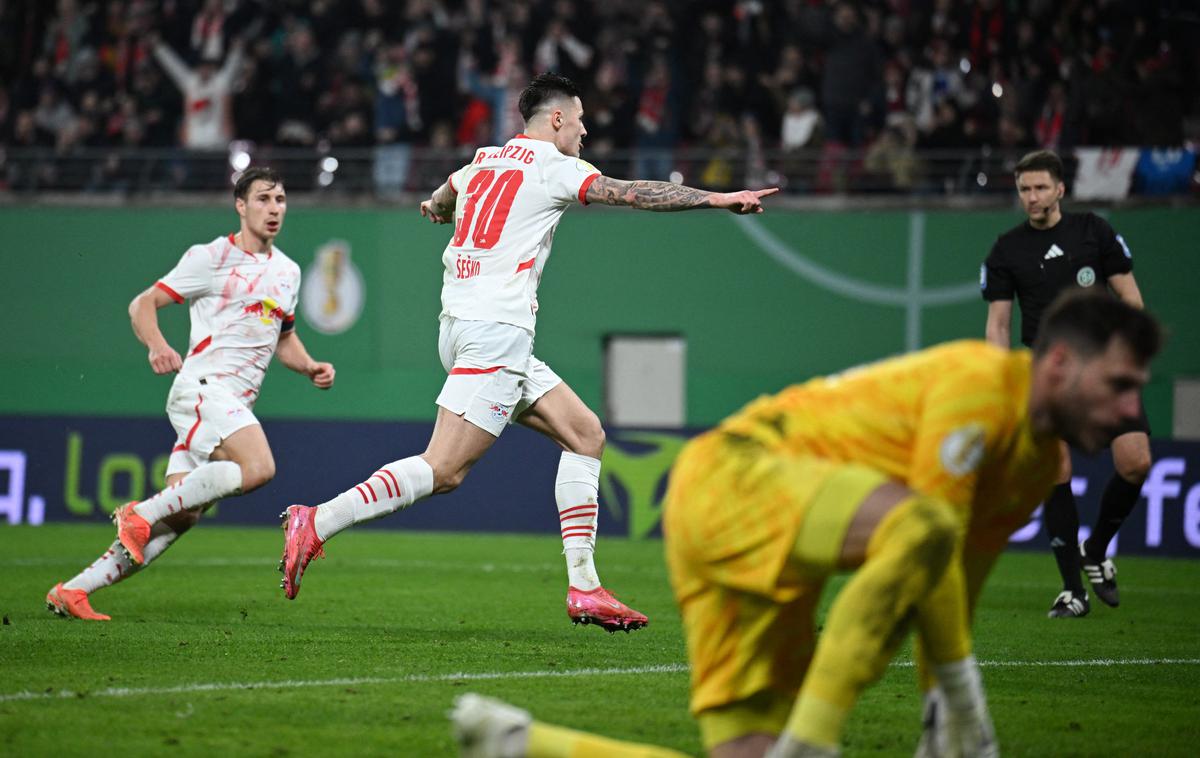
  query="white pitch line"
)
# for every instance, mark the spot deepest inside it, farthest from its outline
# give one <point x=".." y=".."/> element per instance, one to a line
<point x="1099" y="662"/>
<point x="672" y="668"/>
<point x="669" y="668"/>
<point x="394" y="563"/>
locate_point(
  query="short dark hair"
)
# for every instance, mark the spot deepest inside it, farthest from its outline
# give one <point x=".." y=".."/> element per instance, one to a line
<point x="1041" y="160"/>
<point x="1087" y="320"/>
<point x="241" y="187"/>
<point x="544" y="88"/>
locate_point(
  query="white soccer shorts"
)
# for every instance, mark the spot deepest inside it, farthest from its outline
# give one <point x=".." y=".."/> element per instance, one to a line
<point x="493" y="375"/>
<point x="203" y="415"/>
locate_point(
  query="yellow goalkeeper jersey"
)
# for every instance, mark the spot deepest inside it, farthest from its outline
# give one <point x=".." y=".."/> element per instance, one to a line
<point x="950" y="422"/>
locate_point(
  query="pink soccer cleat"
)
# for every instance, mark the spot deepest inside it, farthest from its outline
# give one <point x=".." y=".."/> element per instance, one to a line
<point x="300" y="545"/>
<point x="133" y="531"/>
<point x="598" y="606"/>
<point x="72" y="604"/>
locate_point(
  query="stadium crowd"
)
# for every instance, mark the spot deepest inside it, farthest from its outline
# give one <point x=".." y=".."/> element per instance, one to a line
<point x="884" y="79"/>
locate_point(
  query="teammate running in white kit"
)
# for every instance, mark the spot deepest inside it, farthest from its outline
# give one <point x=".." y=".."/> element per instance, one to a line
<point x="243" y="292"/>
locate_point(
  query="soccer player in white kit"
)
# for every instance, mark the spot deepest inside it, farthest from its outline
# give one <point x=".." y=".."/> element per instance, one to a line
<point x="505" y="205"/>
<point x="243" y="292"/>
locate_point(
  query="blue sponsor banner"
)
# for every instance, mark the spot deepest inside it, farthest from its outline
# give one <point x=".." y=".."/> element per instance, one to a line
<point x="79" y="469"/>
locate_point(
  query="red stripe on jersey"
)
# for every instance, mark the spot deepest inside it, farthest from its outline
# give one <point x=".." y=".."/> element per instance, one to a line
<point x="592" y="507"/>
<point x="391" y="476"/>
<point x="450" y="181"/>
<point x="460" y="370"/>
<point x="583" y="188"/>
<point x="526" y="265"/>
<point x="386" y="486"/>
<point x="177" y="448"/>
<point x="522" y="136"/>
<point x="187" y="443"/>
<point x="174" y="295"/>
<point x="202" y="344"/>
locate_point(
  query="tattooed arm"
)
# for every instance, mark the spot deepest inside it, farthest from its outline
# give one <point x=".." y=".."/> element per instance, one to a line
<point x="439" y="208"/>
<point x="668" y="196"/>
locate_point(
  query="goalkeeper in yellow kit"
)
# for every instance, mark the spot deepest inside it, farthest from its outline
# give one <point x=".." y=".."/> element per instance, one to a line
<point x="912" y="473"/>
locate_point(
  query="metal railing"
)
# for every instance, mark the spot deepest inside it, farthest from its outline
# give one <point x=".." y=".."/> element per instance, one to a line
<point x="394" y="170"/>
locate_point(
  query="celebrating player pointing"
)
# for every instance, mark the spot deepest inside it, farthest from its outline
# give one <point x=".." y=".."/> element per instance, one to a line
<point x="505" y="205"/>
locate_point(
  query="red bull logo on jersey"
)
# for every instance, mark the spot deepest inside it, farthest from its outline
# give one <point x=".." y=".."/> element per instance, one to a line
<point x="499" y="412"/>
<point x="467" y="267"/>
<point x="267" y="310"/>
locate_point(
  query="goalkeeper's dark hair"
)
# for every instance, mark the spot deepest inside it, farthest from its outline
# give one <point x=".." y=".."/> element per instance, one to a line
<point x="544" y="89"/>
<point x="1087" y="321"/>
<point x="1041" y="160"/>
<point x="241" y="187"/>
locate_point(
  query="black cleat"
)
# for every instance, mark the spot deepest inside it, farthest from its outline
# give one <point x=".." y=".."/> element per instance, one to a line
<point x="1102" y="575"/>
<point x="1068" y="605"/>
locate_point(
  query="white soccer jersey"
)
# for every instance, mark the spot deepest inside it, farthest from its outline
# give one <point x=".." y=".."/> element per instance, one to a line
<point x="510" y="199"/>
<point x="240" y="303"/>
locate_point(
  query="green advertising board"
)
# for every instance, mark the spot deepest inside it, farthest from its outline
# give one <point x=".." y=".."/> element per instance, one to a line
<point x="763" y="302"/>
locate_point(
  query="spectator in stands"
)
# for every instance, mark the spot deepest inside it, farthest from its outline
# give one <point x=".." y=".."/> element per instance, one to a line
<point x="850" y="90"/>
<point x="1050" y="122"/>
<point x="54" y="115"/>
<point x="655" y="133"/>
<point x="208" y="31"/>
<point x="1091" y="72"/>
<point x="936" y="79"/>
<point x="207" y="121"/>
<point x="891" y="162"/>
<point x="802" y="125"/>
<point x="397" y="118"/>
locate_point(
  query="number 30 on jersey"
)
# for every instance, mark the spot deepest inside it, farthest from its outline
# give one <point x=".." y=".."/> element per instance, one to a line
<point x="489" y="199"/>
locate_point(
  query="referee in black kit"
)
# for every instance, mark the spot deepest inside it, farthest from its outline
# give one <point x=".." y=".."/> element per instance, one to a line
<point x="1035" y="261"/>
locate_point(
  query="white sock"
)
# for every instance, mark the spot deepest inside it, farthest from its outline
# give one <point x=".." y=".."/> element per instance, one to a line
<point x="113" y="566"/>
<point x="962" y="686"/>
<point x="211" y="481"/>
<point x="394" y="487"/>
<point x="576" y="492"/>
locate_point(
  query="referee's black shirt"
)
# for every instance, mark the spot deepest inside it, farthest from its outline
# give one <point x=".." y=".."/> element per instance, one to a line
<point x="1081" y="250"/>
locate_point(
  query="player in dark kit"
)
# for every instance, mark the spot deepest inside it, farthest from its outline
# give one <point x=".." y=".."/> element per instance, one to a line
<point x="1035" y="261"/>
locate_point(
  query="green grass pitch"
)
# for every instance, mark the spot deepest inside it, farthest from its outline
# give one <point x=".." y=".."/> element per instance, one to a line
<point x="205" y="656"/>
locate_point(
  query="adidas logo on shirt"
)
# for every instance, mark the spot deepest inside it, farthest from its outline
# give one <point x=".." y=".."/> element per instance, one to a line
<point x="1054" y="252"/>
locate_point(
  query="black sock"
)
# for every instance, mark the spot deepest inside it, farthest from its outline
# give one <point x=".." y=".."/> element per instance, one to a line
<point x="1115" y="506"/>
<point x="1062" y="525"/>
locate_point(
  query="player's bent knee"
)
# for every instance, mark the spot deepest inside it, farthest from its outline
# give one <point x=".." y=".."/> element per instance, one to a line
<point x="447" y="479"/>
<point x="938" y="528"/>
<point x="256" y="473"/>
<point x="593" y="438"/>
<point x="1134" y="468"/>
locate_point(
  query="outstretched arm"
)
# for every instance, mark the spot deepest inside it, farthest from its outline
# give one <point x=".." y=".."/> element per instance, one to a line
<point x="439" y="208"/>
<point x="171" y="63"/>
<point x="667" y="196"/>
<point x="232" y="64"/>
<point x="292" y="353"/>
